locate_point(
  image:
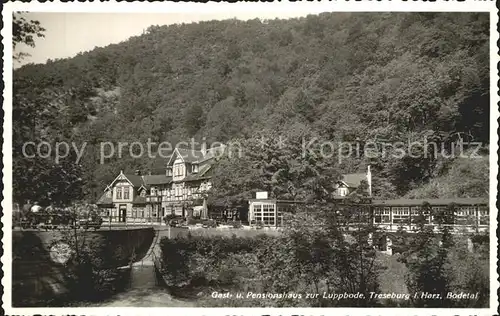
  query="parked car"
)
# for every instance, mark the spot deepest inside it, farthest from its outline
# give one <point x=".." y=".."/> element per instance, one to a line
<point x="87" y="223"/>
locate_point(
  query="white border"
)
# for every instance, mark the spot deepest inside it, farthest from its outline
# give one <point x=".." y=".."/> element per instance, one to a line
<point x="339" y="5"/>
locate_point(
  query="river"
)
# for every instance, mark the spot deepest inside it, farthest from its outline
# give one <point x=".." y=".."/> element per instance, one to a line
<point x="143" y="290"/>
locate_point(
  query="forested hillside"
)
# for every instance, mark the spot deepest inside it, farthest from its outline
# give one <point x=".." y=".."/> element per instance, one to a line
<point x="344" y="77"/>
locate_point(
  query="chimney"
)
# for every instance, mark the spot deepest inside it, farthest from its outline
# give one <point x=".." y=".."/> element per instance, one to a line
<point x="138" y="172"/>
<point x="204" y="148"/>
<point x="369" y="180"/>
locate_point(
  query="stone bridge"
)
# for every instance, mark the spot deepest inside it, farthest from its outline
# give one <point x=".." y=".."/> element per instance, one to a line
<point x="42" y="260"/>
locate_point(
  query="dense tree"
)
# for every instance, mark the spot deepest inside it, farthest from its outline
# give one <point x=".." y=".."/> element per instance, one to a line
<point x="346" y="77"/>
<point x="432" y="263"/>
<point x="37" y="120"/>
<point x="275" y="163"/>
<point x="23" y="32"/>
<point x="193" y="118"/>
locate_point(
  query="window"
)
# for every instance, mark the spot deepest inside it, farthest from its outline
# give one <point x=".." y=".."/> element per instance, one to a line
<point x="401" y="215"/>
<point x="484" y="215"/>
<point x="169" y="171"/>
<point x="436" y="210"/>
<point x="126" y="195"/>
<point x="143" y="193"/>
<point x="342" y="191"/>
<point x="415" y="211"/>
<point x="153" y="191"/>
<point x="268" y="216"/>
<point x="264" y="214"/>
<point x="467" y="211"/>
<point x="179" y="170"/>
<point x="465" y="215"/>
<point x="382" y="215"/>
<point x="279" y="217"/>
<point x="195" y="168"/>
<point x="118" y="193"/>
<point x="377" y="215"/>
<point x="257" y="213"/>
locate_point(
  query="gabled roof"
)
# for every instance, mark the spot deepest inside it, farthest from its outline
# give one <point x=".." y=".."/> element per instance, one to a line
<point x="135" y="180"/>
<point x="187" y="155"/>
<point x="143" y="181"/>
<point x="139" y="200"/>
<point x="192" y="156"/>
<point x="129" y="178"/>
<point x="353" y="180"/>
<point x="204" y="169"/>
<point x="202" y="174"/>
<point x="156" y="179"/>
<point x="105" y="200"/>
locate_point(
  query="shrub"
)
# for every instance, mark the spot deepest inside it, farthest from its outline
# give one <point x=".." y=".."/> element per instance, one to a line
<point x="235" y="224"/>
<point x="186" y="257"/>
<point x="298" y="260"/>
<point x="444" y="264"/>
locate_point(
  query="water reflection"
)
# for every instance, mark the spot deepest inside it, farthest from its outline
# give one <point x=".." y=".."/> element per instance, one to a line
<point x="144" y="289"/>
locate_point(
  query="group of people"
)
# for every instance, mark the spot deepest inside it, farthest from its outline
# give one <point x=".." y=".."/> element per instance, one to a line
<point x="35" y="208"/>
<point x="31" y="215"/>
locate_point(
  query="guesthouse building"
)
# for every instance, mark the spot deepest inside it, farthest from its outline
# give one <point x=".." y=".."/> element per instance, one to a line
<point x="179" y="192"/>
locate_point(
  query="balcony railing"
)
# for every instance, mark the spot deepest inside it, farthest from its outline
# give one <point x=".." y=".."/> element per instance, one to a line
<point x="173" y="198"/>
<point x="153" y="199"/>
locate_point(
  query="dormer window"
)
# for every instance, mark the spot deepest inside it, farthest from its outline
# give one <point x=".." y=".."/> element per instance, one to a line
<point x="179" y="170"/>
<point x="342" y="191"/>
<point x="194" y="168"/>
<point x="169" y="171"/>
<point x="143" y="193"/>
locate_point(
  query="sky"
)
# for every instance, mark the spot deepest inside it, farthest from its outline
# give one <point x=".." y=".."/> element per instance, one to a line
<point x="67" y="34"/>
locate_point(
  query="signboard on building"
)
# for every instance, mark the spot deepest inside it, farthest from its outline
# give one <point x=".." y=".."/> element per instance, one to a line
<point x="261" y="195"/>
